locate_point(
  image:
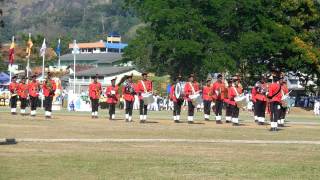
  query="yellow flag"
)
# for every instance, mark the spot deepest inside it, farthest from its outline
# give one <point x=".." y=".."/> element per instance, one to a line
<point x="29" y="46"/>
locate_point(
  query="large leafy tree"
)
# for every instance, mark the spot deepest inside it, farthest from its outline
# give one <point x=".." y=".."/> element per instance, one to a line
<point x="235" y="36"/>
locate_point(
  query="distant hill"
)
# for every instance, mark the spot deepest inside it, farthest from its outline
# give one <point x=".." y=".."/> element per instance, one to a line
<point x="81" y="19"/>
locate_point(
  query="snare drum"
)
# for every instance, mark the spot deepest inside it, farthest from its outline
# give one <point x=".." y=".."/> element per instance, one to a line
<point x="147" y="98"/>
<point x="241" y="101"/>
<point x="195" y="99"/>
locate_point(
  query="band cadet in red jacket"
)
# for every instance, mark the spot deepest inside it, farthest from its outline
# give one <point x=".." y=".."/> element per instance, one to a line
<point x="218" y="89"/>
<point x="128" y="92"/>
<point x="177" y="101"/>
<point x="253" y="99"/>
<point x="112" y="98"/>
<point x="275" y="98"/>
<point x="95" y="91"/>
<point x="227" y="101"/>
<point x="13" y="88"/>
<point x="144" y="86"/>
<point x="34" y="88"/>
<point x="48" y="88"/>
<point x="207" y="99"/>
<point x="23" y="95"/>
<point x="234" y="91"/>
<point x="191" y="88"/>
<point x="283" y="111"/>
<point x="261" y="100"/>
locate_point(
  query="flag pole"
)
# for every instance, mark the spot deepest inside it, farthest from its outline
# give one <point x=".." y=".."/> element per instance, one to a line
<point x="74" y="73"/>
<point x="59" y="65"/>
<point x="28" y="60"/>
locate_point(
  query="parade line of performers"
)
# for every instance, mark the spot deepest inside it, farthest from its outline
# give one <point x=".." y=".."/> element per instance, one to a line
<point x="267" y="97"/>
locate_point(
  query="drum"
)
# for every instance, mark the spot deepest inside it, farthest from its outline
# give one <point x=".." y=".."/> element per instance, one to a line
<point x="147" y="98"/>
<point x="241" y="101"/>
<point x="195" y="99"/>
<point x="285" y="101"/>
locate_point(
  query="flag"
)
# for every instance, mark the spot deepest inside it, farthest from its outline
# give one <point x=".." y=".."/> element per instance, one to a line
<point x="43" y="48"/>
<point x="29" y="46"/>
<point x="75" y="48"/>
<point x="11" y="52"/>
<point x="58" y="49"/>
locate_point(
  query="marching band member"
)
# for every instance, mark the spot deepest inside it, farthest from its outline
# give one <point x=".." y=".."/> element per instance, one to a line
<point x="95" y="90"/>
<point x="144" y="86"/>
<point x="283" y="111"/>
<point x="191" y="88"/>
<point x="177" y="102"/>
<point x="275" y="98"/>
<point x="253" y="98"/>
<point x="13" y="88"/>
<point x="228" y="105"/>
<point x="48" y="88"/>
<point x="261" y="100"/>
<point x="128" y="92"/>
<point x="218" y="93"/>
<point x="207" y="99"/>
<point x="34" y="88"/>
<point x="232" y="93"/>
<point x="112" y="98"/>
<point x="23" y="95"/>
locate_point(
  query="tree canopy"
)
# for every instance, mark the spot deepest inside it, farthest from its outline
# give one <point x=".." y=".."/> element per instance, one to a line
<point x="236" y="36"/>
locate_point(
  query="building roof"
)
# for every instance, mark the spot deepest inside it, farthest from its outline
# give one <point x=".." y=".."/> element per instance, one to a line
<point x="99" y="44"/>
<point x="104" y="71"/>
<point x="101" y="57"/>
<point x="116" y="45"/>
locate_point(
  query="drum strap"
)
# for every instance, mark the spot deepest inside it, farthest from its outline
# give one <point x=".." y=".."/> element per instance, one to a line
<point x="144" y="86"/>
<point x="192" y="88"/>
<point x="235" y="89"/>
<point x="270" y="97"/>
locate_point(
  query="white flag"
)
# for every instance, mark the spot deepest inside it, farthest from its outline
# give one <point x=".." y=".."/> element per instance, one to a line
<point x="43" y="48"/>
<point x="75" y="48"/>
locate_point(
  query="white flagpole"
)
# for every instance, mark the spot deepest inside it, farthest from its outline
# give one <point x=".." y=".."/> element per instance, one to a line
<point x="59" y="54"/>
<point x="74" y="73"/>
<point x="28" y="60"/>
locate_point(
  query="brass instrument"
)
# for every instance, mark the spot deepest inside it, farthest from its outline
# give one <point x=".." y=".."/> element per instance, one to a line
<point x="49" y="86"/>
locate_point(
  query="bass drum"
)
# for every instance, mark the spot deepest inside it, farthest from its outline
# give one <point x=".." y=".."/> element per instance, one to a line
<point x="147" y="98"/>
<point x="195" y="99"/>
<point x="179" y="90"/>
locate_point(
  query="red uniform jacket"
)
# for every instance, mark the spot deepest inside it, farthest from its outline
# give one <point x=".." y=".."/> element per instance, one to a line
<point x="95" y="90"/>
<point x="47" y="91"/>
<point x="13" y="87"/>
<point x="226" y="100"/>
<point x="23" y="90"/>
<point x="112" y="97"/>
<point x="34" y="88"/>
<point x="188" y="89"/>
<point x="207" y="93"/>
<point x="260" y="96"/>
<point x="273" y="89"/>
<point x="140" y="88"/>
<point x="218" y="90"/>
<point x="232" y="93"/>
<point x="128" y="96"/>
<point x="253" y="94"/>
<point x="172" y="95"/>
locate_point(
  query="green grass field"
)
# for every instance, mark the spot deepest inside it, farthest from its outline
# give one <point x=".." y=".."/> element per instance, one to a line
<point x="157" y="160"/>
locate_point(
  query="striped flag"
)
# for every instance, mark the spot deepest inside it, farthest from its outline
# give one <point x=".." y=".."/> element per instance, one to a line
<point x="43" y="48"/>
<point x="11" y="52"/>
<point x="58" y="49"/>
<point x="29" y="46"/>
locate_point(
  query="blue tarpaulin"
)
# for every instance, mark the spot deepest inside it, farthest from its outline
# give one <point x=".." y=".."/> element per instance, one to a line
<point x="4" y="78"/>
